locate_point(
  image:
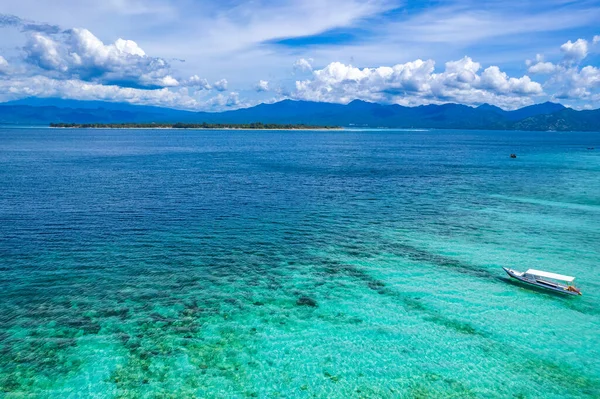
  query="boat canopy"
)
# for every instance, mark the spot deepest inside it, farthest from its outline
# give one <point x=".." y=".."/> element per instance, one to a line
<point x="550" y="275"/>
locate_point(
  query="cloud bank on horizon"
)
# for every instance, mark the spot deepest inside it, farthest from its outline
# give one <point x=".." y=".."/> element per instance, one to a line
<point x="215" y="56"/>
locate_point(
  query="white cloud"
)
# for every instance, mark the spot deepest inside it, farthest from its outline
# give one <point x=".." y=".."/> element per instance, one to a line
<point x="542" y="68"/>
<point x="415" y="83"/>
<point x="575" y="52"/>
<point x="42" y="86"/>
<point x="44" y="52"/>
<point x="590" y="76"/>
<point x="217" y="101"/>
<point x="232" y="30"/>
<point x="196" y="81"/>
<point x="303" y="65"/>
<point x="574" y="83"/>
<point x="77" y="53"/>
<point x="262" y="85"/>
<point x="538" y="59"/>
<point x="169" y="81"/>
<point x="223" y="101"/>
<point x="344" y="79"/>
<point x="220" y="85"/>
<point x="459" y="74"/>
<point x="3" y="65"/>
<point x="123" y="46"/>
<point x="88" y="49"/>
<point x="596" y="39"/>
<point x="567" y="80"/>
<point x="499" y="82"/>
<point x="233" y="99"/>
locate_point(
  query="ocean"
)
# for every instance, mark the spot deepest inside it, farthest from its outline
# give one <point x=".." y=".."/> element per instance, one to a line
<point x="297" y="264"/>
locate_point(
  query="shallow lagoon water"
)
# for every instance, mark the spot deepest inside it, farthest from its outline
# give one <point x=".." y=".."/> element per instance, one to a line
<point x="350" y="264"/>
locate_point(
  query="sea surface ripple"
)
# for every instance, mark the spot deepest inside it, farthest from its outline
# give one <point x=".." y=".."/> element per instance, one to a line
<point x="300" y="264"/>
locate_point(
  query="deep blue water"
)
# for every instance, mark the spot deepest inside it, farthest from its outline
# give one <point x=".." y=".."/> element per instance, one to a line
<point x="158" y="263"/>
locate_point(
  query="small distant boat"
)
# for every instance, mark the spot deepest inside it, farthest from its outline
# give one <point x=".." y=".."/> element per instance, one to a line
<point x="551" y="281"/>
<point x="513" y="155"/>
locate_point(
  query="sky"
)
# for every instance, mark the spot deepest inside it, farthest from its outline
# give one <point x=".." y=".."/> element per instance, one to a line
<point x="228" y="54"/>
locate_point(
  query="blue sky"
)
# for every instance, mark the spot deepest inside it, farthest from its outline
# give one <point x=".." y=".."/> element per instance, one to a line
<point x="208" y="55"/>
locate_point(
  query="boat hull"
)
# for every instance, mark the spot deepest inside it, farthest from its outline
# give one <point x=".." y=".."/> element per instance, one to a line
<point x="536" y="283"/>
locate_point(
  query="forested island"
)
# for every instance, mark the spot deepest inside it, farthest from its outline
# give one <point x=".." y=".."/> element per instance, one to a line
<point x="204" y="125"/>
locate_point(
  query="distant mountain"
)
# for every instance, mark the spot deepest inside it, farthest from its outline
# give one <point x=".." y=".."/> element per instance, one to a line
<point x="546" y="108"/>
<point x="46" y="110"/>
<point x="564" y="120"/>
<point x="525" y="112"/>
<point x="546" y="116"/>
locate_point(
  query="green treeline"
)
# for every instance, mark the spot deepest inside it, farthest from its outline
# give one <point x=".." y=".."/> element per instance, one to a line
<point x="204" y="125"/>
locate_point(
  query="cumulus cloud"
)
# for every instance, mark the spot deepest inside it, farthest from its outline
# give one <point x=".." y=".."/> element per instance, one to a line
<point x="539" y="66"/>
<point x="233" y="99"/>
<point x="567" y="79"/>
<point x="574" y="83"/>
<point x="77" y="53"/>
<point x="220" y="85"/>
<point x="42" y="86"/>
<point x="575" y="52"/>
<point x="497" y="81"/>
<point x="196" y="81"/>
<point x="223" y="101"/>
<point x="303" y="65"/>
<point x="416" y="82"/>
<point x="76" y="64"/>
<point x="542" y="68"/>
<point x="169" y="81"/>
<point x="262" y="85"/>
<point x="43" y="51"/>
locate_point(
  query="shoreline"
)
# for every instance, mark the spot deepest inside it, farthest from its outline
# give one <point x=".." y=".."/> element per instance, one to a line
<point x="347" y="128"/>
<point x="193" y="128"/>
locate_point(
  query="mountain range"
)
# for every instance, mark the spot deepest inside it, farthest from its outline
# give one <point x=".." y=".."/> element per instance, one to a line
<point x="542" y="117"/>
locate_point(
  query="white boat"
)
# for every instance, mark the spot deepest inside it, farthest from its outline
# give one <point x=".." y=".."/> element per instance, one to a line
<point x="550" y="281"/>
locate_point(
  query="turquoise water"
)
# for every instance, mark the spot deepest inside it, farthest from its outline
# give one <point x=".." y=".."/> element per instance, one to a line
<point x="212" y="264"/>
